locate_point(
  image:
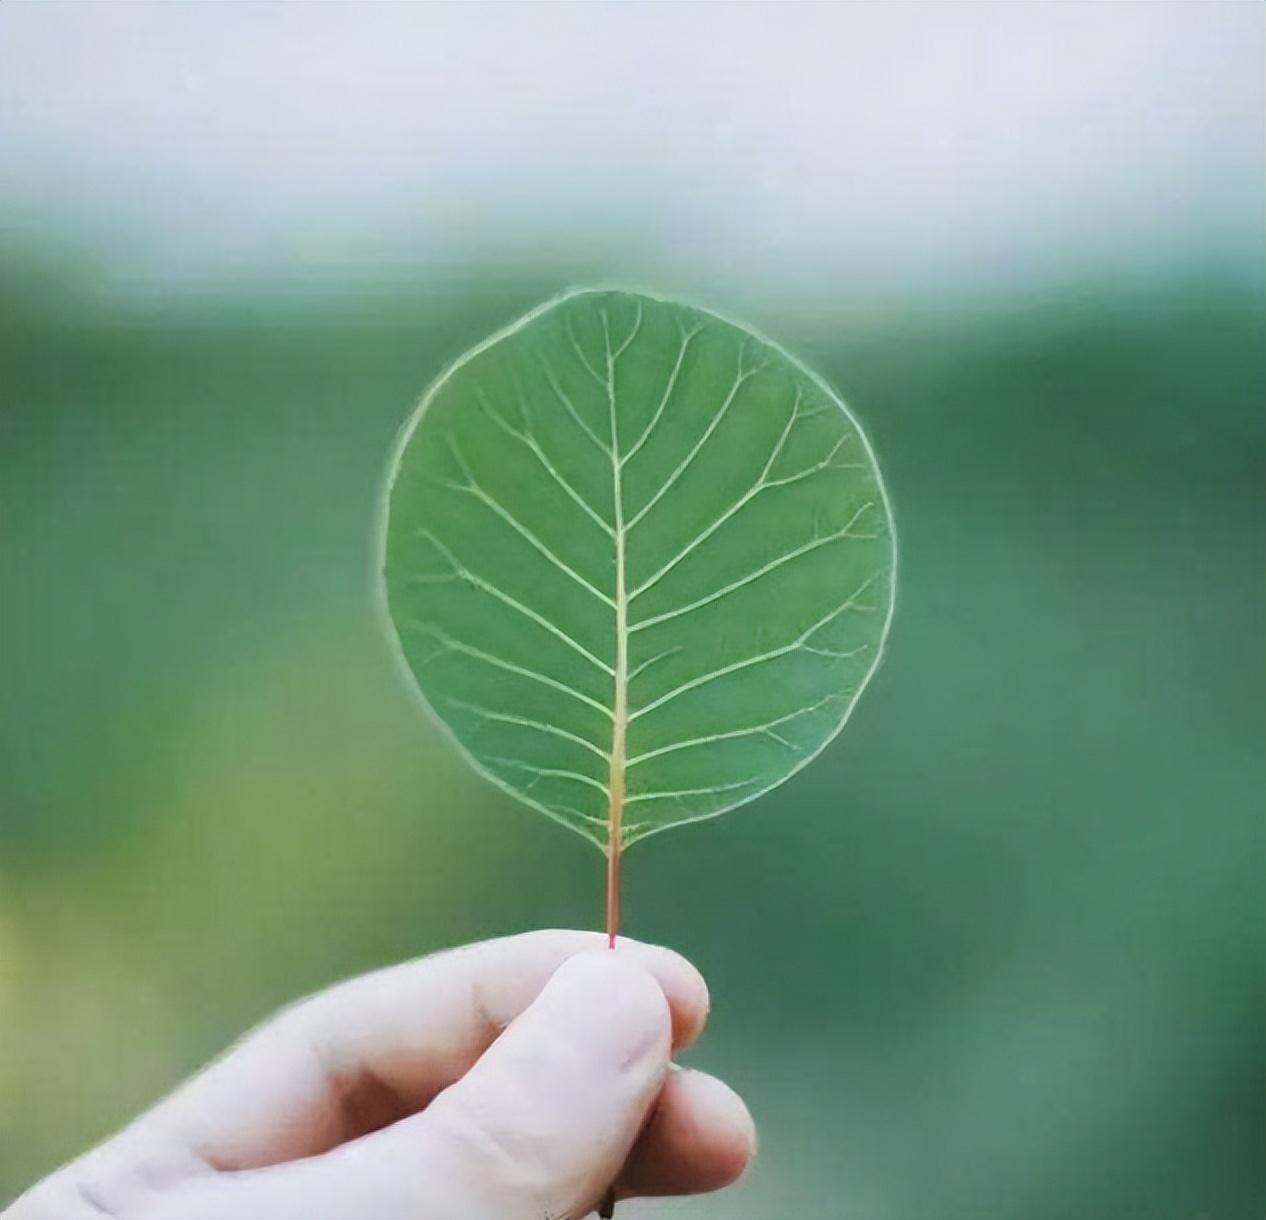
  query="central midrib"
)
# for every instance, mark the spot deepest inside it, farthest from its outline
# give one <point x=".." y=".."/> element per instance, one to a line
<point x="620" y="719"/>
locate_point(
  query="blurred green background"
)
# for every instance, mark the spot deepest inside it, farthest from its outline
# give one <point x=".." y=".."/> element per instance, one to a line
<point x="999" y="952"/>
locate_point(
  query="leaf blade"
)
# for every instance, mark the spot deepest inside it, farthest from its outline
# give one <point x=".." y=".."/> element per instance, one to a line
<point x="705" y="602"/>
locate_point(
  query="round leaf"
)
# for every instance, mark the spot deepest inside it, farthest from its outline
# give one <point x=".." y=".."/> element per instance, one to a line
<point x="639" y="561"/>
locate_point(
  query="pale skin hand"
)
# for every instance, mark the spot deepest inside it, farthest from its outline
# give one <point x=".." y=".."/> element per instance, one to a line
<point x="516" y="1078"/>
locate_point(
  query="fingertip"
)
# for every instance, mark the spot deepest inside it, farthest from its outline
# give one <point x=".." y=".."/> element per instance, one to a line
<point x="525" y="961"/>
<point x="600" y="969"/>
<point x="613" y="1004"/>
<point x="687" y="994"/>
<point x="682" y="984"/>
<point x="701" y="1138"/>
<point x="732" y="1130"/>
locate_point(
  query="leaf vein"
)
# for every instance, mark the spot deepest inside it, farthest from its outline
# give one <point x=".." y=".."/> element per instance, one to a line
<point x="462" y="572"/>
<point x="680" y="792"/>
<point x="547" y="772"/>
<point x="472" y="487"/>
<point x="681" y="468"/>
<point x="527" y="722"/>
<point x="686" y="338"/>
<point x="580" y="354"/>
<point x="798" y="643"/>
<point x="535" y="447"/>
<point x="764" y="569"/>
<point x="449" y="644"/>
<point x="570" y="407"/>
<point x="762" y="483"/>
<point x="750" y="731"/>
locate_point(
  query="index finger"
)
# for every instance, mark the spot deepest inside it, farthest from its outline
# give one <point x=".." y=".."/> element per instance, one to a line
<point x="371" y="1050"/>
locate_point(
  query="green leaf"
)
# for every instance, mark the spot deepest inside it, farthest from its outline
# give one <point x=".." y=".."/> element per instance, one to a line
<point x="639" y="561"/>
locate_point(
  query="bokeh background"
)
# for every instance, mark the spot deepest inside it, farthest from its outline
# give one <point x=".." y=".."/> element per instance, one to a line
<point x="999" y="952"/>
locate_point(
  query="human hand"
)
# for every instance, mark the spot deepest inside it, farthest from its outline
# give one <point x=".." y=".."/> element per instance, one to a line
<point x="396" y="1096"/>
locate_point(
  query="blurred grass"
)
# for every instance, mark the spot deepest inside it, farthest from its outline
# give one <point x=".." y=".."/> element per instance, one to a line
<point x="997" y="954"/>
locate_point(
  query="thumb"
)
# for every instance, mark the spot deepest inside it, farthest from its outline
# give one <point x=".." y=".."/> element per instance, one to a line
<point x="543" y="1122"/>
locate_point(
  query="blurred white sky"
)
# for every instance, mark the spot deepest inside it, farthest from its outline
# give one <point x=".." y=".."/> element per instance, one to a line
<point x="906" y="146"/>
